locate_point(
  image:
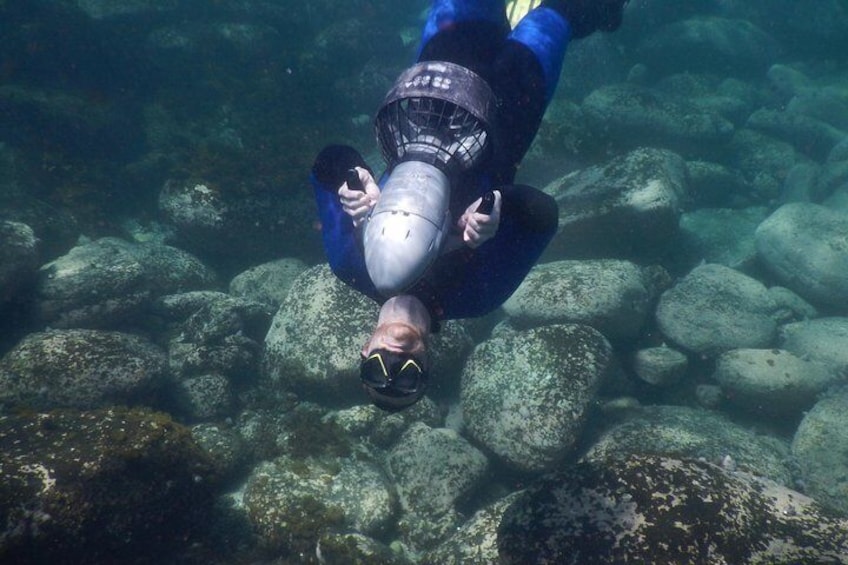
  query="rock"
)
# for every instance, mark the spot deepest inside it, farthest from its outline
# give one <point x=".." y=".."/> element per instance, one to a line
<point x="819" y="449"/>
<point x="800" y="184"/>
<point x="806" y="134"/>
<point x="476" y="540"/>
<point x="662" y="510"/>
<point x="713" y="185"/>
<point x="214" y="333"/>
<point x="205" y="397"/>
<point x="628" y="207"/>
<point x="110" y="283"/>
<point x="827" y="104"/>
<point x="81" y="369"/>
<point x="823" y="340"/>
<point x="627" y="116"/>
<point x="612" y="296"/>
<point x="791" y="307"/>
<point x="660" y="366"/>
<point x="236" y="226"/>
<point x="18" y="258"/>
<point x="709" y="44"/>
<point x="773" y="382"/>
<point x="692" y="433"/>
<point x="267" y="283"/>
<point x="805" y="246"/>
<point x="525" y="395"/>
<point x="123" y="485"/>
<point x="342" y="548"/>
<point x="722" y="236"/>
<point x="292" y="501"/>
<point x="764" y="162"/>
<point x="714" y="308"/>
<point x="433" y="469"/>
<point x="313" y="345"/>
<point x="317" y="334"/>
<point x="224" y="448"/>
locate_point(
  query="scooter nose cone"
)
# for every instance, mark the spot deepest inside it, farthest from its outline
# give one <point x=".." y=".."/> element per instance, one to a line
<point x="399" y="247"/>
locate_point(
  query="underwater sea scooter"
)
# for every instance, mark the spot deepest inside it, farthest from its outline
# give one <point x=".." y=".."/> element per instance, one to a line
<point x="433" y="125"/>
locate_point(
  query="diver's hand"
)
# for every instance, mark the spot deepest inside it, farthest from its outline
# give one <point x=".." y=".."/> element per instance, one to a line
<point x="357" y="203"/>
<point x="479" y="228"/>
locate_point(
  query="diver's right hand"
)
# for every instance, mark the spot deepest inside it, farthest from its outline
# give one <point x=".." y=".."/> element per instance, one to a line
<point x="356" y="203"/>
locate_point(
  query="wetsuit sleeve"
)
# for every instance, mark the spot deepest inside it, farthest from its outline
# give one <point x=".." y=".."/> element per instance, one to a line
<point x="341" y="241"/>
<point x="467" y="284"/>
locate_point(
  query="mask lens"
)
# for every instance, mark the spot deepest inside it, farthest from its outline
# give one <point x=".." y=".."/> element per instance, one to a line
<point x="372" y="371"/>
<point x="407" y="377"/>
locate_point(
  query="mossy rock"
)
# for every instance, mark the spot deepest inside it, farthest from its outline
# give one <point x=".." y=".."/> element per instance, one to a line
<point x="116" y="485"/>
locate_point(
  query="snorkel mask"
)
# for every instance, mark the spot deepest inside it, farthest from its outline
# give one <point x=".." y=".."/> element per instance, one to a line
<point x="394" y="381"/>
<point x="433" y="125"/>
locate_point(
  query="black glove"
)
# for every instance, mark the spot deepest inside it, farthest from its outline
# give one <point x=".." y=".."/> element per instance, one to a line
<point x="588" y="16"/>
<point x="333" y="163"/>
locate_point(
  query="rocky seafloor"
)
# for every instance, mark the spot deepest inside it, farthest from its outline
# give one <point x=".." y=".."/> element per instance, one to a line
<point x="178" y="370"/>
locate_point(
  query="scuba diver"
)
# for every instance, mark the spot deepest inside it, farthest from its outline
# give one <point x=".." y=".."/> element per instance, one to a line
<point x="445" y="233"/>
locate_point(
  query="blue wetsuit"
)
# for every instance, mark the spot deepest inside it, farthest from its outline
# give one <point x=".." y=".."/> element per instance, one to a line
<point x="522" y="66"/>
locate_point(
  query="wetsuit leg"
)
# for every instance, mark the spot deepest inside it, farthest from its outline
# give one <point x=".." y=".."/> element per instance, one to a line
<point x="446" y="15"/>
<point x="524" y="77"/>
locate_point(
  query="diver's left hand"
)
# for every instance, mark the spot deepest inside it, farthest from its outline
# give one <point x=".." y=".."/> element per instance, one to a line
<point x="479" y="228"/>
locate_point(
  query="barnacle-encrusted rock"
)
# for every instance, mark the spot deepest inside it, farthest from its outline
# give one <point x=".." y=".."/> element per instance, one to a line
<point x="661" y="510"/>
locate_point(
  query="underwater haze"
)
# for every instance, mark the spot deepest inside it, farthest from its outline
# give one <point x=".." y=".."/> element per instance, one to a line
<point x="179" y="367"/>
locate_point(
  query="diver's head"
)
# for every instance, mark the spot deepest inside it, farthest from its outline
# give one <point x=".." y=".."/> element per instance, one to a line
<point x="394" y="368"/>
<point x="433" y="125"/>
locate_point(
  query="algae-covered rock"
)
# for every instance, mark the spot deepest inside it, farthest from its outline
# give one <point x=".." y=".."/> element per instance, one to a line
<point x="681" y="432"/>
<point x="610" y="295"/>
<point x="525" y="395"/>
<point x="109" y="283"/>
<point x="81" y="369"/>
<point x="315" y="338"/>
<point x="663" y="510"/>
<point x="293" y="501"/>
<point x="113" y="485"/>
<point x="715" y="308"/>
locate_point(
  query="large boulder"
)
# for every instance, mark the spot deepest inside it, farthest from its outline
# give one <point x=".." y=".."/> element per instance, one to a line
<point x="629" y="207"/>
<point x="663" y="510"/>
<point x="526" y="394"/>
<point x="18" y="258"/>
<point x="820" y="449"/>
<point x="434" y="470"/>
<point x="627" y="116"/>
<point x="773" y="382"/>
<point x="715" y="308"/>
<point x="822" y="340"/>
<point x="293" y="501"/>
<point x="709" y="44"/>
<point x="721" y="235"/>
<point x="112" y="485"/>
<point x="804" y="246"/>
<point x="81" y="369"/>
<point x="691" y="433"/>
<point x="268" y="283"/>
<point x="612" y="296"/>
<point x="315" y="339"/>
<point x="110" y="283"/>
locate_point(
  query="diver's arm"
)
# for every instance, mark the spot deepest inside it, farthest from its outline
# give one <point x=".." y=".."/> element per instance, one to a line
<point x="341" y="240"/>
<point x="477" y="282"/>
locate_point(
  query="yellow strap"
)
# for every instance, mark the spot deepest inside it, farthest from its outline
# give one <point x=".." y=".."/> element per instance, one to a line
<point x="517" y="9"/>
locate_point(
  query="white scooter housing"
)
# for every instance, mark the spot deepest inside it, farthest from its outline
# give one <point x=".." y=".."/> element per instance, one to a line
<point x="405" y="230"/>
